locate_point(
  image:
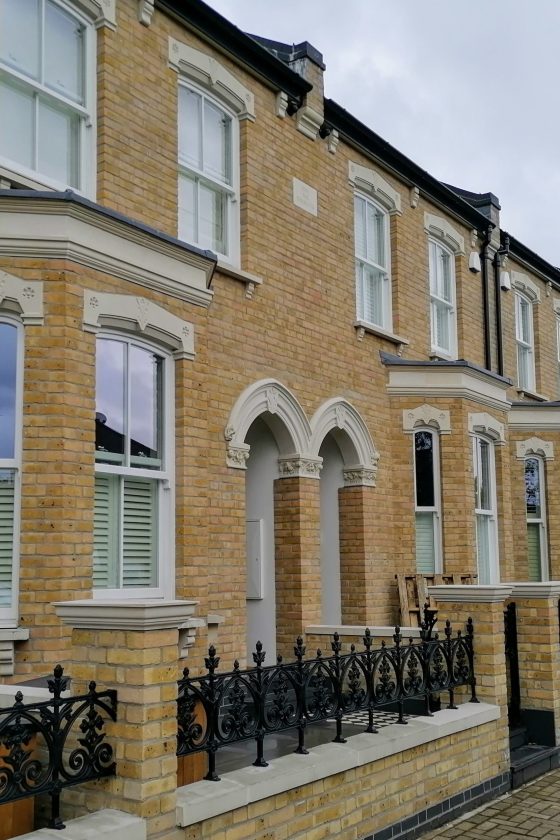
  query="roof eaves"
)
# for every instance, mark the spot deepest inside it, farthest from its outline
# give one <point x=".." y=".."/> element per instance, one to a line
<point x="214" y="28"/>
<point x="533" y="261"/>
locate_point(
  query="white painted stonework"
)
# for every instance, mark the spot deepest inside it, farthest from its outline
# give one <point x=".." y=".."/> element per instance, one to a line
<point x="305" y="197"/>
<point x="426" y="416"/>
<point x="441" y="229"/>
<point x="103" y="309"/>
<point x="27" y="295"/>
<point x="535" y="446"/>
<point x="108" y="824"/>
<point x="78" y="232"/>
<point x="371" y="182"/>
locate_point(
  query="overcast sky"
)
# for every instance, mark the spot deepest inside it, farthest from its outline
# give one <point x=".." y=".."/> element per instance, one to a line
<point x="469" y="91"/>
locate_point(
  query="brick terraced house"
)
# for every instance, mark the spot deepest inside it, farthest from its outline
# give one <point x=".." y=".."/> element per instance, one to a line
<point x="255" y="362"/>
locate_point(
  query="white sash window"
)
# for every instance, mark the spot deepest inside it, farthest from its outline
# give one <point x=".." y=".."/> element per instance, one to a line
<point x="535" y="507"/>
<point x="442" y="300"/>
<point x="427" y="502"/>
<point x="134" y="468"/>
<point x="47" y="93"/>
<point x="525" y="342"/>
<point x="485" y="511"/>
<point x="373" y="272"/>
<point x="11" y="352"/>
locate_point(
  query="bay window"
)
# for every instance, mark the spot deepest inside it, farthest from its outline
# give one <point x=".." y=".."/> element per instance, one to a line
<point x="373" y="273"/>
<point x="427" y="502"/>
<point x="46" y="93"/>
<point x="134" y="467"/>
<point x="208" y="173"/>
<point x="10" y="457"/>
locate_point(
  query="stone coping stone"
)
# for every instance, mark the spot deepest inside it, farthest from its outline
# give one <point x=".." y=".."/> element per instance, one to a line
<point x="108" y="824"/>
<point x="202" y="800"/>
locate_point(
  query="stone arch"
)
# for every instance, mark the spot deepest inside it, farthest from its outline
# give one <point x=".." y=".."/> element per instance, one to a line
<point x="284" y="416"/>
<point x="350" y="432"/>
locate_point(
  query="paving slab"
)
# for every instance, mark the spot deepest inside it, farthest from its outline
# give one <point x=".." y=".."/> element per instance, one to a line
<point x="530" y="812"/>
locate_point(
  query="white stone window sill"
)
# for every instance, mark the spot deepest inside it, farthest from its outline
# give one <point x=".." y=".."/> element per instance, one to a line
<point x="363" y="327"/>
<point x="438" y="356"/>
<point x="532" y="395"/>
<point x="204" y="800"/>
<point x="251" y="280"/>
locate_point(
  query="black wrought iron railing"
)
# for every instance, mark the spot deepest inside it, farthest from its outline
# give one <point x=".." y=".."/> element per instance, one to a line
<point x="56" y="743"/>
<point x="216" y="710"/>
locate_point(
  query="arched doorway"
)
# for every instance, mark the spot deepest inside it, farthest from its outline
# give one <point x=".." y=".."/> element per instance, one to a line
<point x="262" y="470"/>
<point x="332" y="479"/>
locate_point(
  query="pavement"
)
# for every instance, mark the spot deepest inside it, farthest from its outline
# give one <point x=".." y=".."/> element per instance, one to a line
<point x="530" y="811"/>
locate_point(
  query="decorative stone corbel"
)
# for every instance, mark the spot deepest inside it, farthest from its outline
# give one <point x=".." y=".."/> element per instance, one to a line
<point x="414" y="197"/>
<point x="145" y="11"/>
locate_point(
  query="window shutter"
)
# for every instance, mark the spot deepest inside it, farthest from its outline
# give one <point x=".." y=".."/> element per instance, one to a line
<point x="534" y="551"/>
<point x="139" y="532"/>
<point x="105" y="532"/>
<point x="6" y="536"/>
<point x="425" y="544"/>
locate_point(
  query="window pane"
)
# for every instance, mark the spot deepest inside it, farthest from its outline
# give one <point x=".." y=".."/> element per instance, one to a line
<point x="64" y="48"/>
<point x="524" y="366"/>
<point x="16" y="132"/>
<point x="106" y="513"/>
<point x="19" y="35"/>
<point x="484" y="478"/>
<point x="433" y="260"/>
<point x="187" y="209"/>
<point x="441" y="315"/>
<point x="8" y="373"/>
<point x="110" y="401"/>
<point x="533" y="488"/>
<point x="145" y="406"/>
<point x="58" y="144"/>
<point x="217" y="143"/>
<point x="190" y="127"/>
<point x="524" y="323"/>
<point x="534" y="551"/>
<point x="212" y="219"/>
<point x="360" y="227"/>
<point x="139" y="533"/>
<point x="7" y="512"/>
<point x="445" y="289"/>
<point x="425" y="544"/>
<point x="424" y="461"/>
<point x="373" y="280"/>
<point x="483" y="546"/>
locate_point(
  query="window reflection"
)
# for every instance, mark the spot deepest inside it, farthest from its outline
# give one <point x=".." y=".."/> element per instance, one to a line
<point x="8" y="371"/>
<point x="424" y="454"/>
<point x="110" y="400"/>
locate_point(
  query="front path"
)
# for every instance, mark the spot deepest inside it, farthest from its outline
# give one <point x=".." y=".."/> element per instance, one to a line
<point x="531" y="811"/>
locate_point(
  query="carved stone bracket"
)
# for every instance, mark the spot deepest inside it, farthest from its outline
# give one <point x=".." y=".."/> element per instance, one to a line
<point x="300" y="467"/>
<point x="145" y="11"/>
<point x="360" y="477"/>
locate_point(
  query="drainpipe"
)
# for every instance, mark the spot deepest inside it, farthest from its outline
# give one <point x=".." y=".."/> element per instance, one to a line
<point x="503" y="252"/>
<point x="485" y="297"/>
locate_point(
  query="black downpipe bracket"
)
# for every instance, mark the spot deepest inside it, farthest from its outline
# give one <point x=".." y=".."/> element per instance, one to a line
<point x="485" y="298"/>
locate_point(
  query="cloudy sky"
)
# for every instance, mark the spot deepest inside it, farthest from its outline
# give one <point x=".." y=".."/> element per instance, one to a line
<point x="468" y="91"/>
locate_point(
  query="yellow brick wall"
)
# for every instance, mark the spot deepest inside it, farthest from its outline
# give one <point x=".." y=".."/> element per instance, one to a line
<point x="364" y="800"/>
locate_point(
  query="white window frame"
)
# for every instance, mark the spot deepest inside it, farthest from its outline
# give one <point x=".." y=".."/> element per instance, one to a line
<point x="165" y="478"/>
<point x="87" y="166"/>
<point x="436" y="301"/>
<point x="526" y="345"/>
<point x="9" y="615"/>
<point x="542" y="521"/>
<point x="435" y="509"/>
<point x="386" y="289"/>
<point x="490" y="513"/>
<point x="230" y="191"/>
